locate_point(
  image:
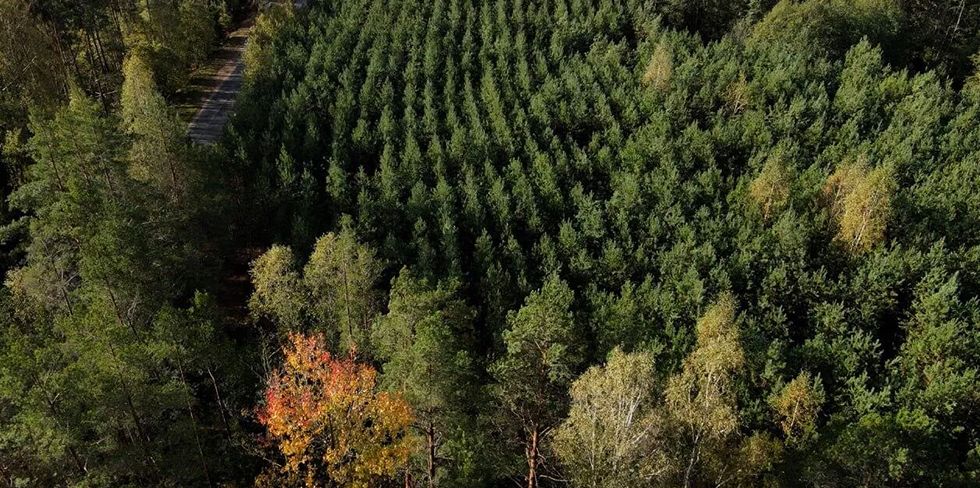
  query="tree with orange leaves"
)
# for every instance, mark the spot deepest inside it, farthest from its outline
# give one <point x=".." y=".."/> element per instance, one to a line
<point x="330" y="423"/>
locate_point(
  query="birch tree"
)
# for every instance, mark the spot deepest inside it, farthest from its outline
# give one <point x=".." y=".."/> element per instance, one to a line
<point x="613" y="435"/>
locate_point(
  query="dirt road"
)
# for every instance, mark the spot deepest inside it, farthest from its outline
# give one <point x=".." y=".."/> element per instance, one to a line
<point x="221" y="88"/>
<point x="207" y="125"/>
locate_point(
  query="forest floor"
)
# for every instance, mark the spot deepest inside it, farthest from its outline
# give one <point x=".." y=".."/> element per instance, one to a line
<point x="235" y="288"/>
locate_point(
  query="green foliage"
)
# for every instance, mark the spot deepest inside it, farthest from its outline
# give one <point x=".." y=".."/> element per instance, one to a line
<point x="813" y="161"/>
<point x="279" y="293"/>
<point x="543" y="352"/>
<point x="158" y="146"/>
<point x="794" y="161"/>
<point x="267" y="24"/>
<point x="424" y="343"/>
<point x="943" y="33"/>
<point x="173" y="37"/>
<point x="832" y="25"/>
<point x="341" y="275"/>
<point x="112" y="359"/>
<point x="335" y="293"/>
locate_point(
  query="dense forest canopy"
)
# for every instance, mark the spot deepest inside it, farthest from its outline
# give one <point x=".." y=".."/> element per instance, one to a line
<point x="595" y="243"/>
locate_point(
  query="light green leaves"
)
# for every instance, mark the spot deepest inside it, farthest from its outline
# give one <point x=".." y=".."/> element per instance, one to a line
<point x="335" y="292"/>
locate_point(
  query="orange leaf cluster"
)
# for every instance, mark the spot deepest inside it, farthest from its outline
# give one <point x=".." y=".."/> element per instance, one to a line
<point x="330" y="423"/>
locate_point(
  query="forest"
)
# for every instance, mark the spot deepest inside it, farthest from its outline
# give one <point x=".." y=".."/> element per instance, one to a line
<point x="491" y="243"/>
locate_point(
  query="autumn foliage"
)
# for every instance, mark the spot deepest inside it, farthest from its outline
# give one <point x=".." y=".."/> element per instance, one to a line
<point x="331" y="425"/>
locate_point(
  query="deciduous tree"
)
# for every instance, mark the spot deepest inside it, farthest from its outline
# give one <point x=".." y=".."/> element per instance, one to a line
<point x="701" y="397"/>
<point x="860" y="202"/>
<point x="279" y="293"/>
<point x="770" y="190"/>
<point x="613" y="435"/>
<point x="341" y="276"/>
<point x="798" y="405"/>
<point x="329" y="422"/>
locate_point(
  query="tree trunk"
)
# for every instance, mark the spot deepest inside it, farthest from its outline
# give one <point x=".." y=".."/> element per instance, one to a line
<point x="221" y="404"/>
<point x="94" y="69"/>
<point x="67" y="62"/>
<point x="115" y="308"/>
<point x="695" y="455"/>
<point x="56" y="412"/>
<point x="197" y="428"/>
<point x="430" y="437"/>
<point x="532" y="459"/>
<point x="350" y="319"/>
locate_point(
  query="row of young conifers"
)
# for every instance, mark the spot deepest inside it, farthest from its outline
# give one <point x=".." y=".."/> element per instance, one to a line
<point x="775" y="227"/>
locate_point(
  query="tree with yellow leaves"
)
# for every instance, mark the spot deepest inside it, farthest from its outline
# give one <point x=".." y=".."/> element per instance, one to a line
<point x="859" y="198"/>
<point x="702" y="410"/>
<point x="660" y="68"/>
<point x="797" y="406"/>
<point x="613" y="435"/>
<point x="770" y="189"/>
<point x="329" y="421"/>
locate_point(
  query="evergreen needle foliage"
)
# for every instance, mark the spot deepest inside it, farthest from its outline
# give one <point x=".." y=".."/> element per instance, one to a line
<point x="447" y="243"/>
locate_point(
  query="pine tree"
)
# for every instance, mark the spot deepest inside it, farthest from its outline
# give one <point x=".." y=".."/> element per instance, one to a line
<point x="157" y="153"/>
<point x="424" y="342"/>
<point x="543" y="351"/>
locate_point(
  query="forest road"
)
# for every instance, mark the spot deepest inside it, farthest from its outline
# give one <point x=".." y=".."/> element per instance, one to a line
<point x="208" y="124"/>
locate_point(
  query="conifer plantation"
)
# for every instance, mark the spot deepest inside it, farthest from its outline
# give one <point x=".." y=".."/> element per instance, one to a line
<point x="492" y="243"/>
